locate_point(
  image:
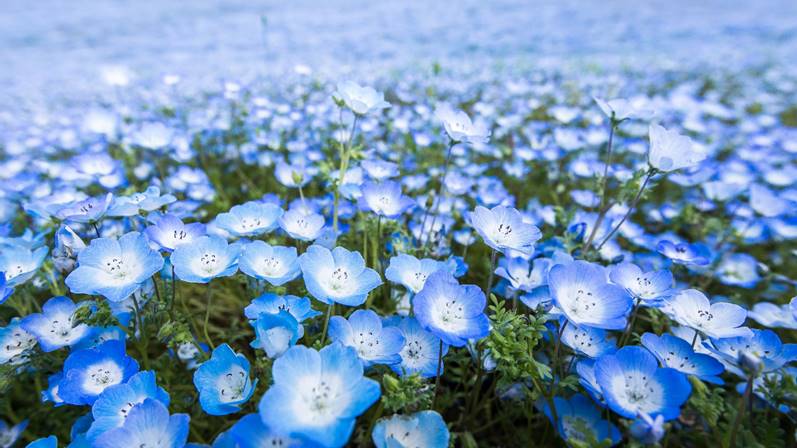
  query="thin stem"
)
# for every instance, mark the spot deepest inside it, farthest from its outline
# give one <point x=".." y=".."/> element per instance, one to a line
<point x="694" y="340"/>
<point x="174" y="290"/>
<point x="437" y="379"/>
<point x="631" y="208"/>
<point x="492" y="270"/>
<point x="603" y="209"/>
<point x="208" y="296"/>
<point x="326" y="322"/>
<point x="142" y="335"/>
<point x="438" y="196"/>
<point x="344" y="164"/>
<point x="740" y="412"/>
<point x="96" y="229"/>
<point x="558" y="345"/>
<point x="630" y="325"/>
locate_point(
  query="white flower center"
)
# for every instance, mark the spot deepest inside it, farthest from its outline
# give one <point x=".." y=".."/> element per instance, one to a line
<point x="231" y="385"/>
<point x="101" y="375"/>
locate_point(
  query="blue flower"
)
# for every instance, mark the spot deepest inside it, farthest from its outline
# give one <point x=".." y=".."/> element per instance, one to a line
<point x="269" y="303"/>
<point x="764" y="347"/>
<point x="692" y="309"/>
<point x="250" y="219"/>
<point x="90" y="210"/>
<point x="411" y="272"/>
<point x="581" y="291"/>
<point x="147" y="201"/>
<point x="274" y="264"/>
<point x="223" y="382"/>
<point x="15" y="343"/>
<point x="676" y="353"/>
<point x="588" y="341"/>
<point x="420" y="351"/>
<point x="363" y="331"/>
<point x="379" y="169"/>
<point x="88" y="372"/>
<point x="113" y="268"/>
<point x="523" y="274"/>
<point x="115" y="403"/>
<point x="337" y="276"/>
<point x="586" y="377"/>
<point x="45" y="442"/>
<point x="5" y="289"/>
<point x="20" y="263"/>
<point x="580" y="421"/>
<point x="275" y="333"/>
<point x="251" y="432"/>
<point x="503" y="228"/>
<point x="148" y="424"/>
<point x="738" y="270"/>
<point x="67" y="247"/>
<point x="362" y="100"/>
<point x="685" y="253"/>
<point x="633" y="383"/>
<point x="385" y="199"/>
<point x="768" y="203"/>
<point x="670" y="151"/>
<point x="647" y="287"/>
<point x="421" y="429"/>
<point x="774" y="316"/>
<point x="317" y="395"/>
<point x="55" y="326"/>
<point x="206" y="258"/>
<point x="302" y="224"/>
<point x="648" y="430"/>
<point x="453" y="312"/>
<point x="10" y="434"/>
<point x="168" y="232"/>
<point x="97" y="335"/>
<point x="51" y="393"/>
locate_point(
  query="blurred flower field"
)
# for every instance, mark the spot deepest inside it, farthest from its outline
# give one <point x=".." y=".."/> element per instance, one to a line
<point x="489" y="243"/>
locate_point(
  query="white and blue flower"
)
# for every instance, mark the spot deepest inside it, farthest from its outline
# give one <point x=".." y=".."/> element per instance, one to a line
<point x="206" y="258"/>
<point x="223" y="382"/>
<point x="55" y="326"/>
<point x="317" y="395"/>
<point x="250" y="219"/>
<point x="364" y="332"/>
<point x="148" y="425"/>
<point x="453" y="312"/>
<point x="337" y="276"/>
<point x="114" y="268"/>
<point x="274" y="264"/>
<point x="88" y="372"/>
<point x="421" y="429"/>
<point x="632" y="383"/>
<point x="581" y="291"/>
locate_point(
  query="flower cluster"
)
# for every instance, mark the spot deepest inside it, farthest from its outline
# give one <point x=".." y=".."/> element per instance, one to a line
<point x="516" y="263"/>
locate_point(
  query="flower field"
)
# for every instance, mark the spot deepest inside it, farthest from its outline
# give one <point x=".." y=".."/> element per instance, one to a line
<point x="438" y="255"/>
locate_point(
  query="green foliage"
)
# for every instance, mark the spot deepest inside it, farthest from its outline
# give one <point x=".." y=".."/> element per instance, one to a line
<point x="512" y="343"/>
<point x="405" y="394"/>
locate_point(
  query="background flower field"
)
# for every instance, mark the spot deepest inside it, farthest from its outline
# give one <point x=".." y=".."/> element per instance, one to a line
<point x="242" y="224"/>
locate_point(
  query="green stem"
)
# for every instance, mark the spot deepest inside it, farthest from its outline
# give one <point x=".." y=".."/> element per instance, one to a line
<point x="603" y="209"/>
<point x="740" y="412"/>
<point x="493" y="256"/>
<point x="326" y="322"/>
<point x="437" y="378"/>
<point x="631" y="208"/>
<point x="629" y="327"/>
<point x="208" y="296"/>
<point x="438" y="197"/>
<point x="143" y="341"/>
<point x="345" y="153"/>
